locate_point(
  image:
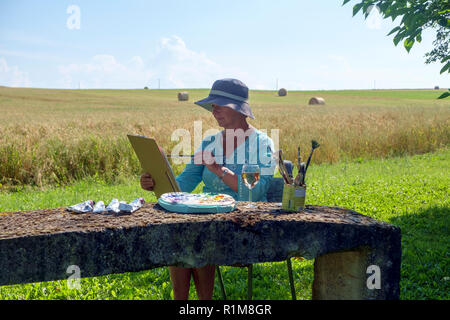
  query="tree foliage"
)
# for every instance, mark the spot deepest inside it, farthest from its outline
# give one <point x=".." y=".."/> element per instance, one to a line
<point x="415" y="16"/>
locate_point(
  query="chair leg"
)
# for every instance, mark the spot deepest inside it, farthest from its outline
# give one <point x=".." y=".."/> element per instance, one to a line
<point x="222" y="287"/>
<point x="250" y="282"/>
<point x="291" y="278"/>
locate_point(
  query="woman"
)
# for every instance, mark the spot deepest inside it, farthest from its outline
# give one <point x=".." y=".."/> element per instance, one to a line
<point x="218" y="163"/>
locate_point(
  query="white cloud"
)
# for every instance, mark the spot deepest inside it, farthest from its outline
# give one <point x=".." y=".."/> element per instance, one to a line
<point x="178" y="66"/>
<point x="173" y="65"/>
<point x="12" y="76"/>
<point x="104" y="71"/>
<point x="28" y="55"/>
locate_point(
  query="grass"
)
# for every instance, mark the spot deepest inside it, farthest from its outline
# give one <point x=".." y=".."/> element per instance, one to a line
<point x="56" y="137"/>
<point x="410" y="192"/>
<point x="383" y="153"/>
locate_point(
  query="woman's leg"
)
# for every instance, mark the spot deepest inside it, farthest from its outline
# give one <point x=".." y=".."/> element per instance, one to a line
<point x="181" y="279"/>
<point x="204" y="281"/>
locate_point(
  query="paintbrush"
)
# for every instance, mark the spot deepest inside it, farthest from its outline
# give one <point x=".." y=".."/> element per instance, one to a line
<point x="298" y="179"/>
<point x="300" y="175"/>
<point x="314" y="145"/>
<point x="179" y="155"/>
<point x="282" y="168"/>
<point x="302" y="169"/>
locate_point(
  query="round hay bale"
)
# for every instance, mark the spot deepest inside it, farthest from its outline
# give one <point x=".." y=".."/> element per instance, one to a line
<point x="316" y="100"/>
<point x="282" y="92"/>
<point x="183" y="96"/>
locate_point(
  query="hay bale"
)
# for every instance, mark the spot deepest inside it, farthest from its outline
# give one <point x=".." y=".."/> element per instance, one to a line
<point x="282" y="92"/>
<point x="316" y="100"/>
<point x="183" y="96"/>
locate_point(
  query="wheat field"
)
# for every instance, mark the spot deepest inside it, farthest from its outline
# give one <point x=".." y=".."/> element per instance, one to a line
<point x="54" y="137"/>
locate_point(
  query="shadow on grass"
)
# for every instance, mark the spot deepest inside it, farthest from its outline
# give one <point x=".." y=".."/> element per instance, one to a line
<point x="425" y="253"/>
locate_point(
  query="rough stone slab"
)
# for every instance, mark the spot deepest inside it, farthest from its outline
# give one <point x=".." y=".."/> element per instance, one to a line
<point x="39" y="245"/>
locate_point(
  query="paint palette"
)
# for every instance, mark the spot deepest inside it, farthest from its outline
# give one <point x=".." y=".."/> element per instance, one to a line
<point x="183" y="202"/>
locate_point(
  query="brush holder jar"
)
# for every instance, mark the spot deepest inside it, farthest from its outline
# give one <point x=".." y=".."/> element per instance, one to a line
<point x="293" y="197"/>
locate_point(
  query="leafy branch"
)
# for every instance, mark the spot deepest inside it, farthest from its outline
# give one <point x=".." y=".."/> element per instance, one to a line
<point x="415" y="16"/>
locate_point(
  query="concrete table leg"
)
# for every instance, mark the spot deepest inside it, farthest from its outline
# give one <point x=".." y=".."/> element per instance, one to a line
<point x="355" y="275"/>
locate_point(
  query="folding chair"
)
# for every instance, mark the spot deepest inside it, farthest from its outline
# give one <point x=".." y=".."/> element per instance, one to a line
<point x="274" y="194"/>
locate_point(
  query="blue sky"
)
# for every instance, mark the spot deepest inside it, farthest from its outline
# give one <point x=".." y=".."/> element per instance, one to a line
<point x="306" y="45"/>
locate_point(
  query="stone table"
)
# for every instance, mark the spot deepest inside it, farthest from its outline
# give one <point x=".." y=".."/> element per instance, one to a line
<point x="356" y="257"/>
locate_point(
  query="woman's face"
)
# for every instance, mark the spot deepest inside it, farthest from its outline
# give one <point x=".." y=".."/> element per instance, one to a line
<point x="226" y="117"/>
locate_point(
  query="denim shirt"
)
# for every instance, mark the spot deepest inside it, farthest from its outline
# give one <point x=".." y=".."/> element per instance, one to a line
<point x="258" y="148"/>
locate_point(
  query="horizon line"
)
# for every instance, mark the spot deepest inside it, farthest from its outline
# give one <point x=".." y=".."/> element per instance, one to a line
<point x="269" y="90"/>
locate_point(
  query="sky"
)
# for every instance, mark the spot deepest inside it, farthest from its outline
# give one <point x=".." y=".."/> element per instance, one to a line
<point x="294" y="44"/>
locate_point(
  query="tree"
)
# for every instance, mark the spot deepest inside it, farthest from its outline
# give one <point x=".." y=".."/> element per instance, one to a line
<point x="416" y="16"/>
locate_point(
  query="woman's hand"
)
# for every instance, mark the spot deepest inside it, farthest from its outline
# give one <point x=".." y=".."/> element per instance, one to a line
<point x="147" y="182"/>
<point x="207" y="159"/>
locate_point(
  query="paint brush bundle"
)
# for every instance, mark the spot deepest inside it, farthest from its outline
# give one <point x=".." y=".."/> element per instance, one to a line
<point x="294" y="190"/>
<point x="282" y="168"/>
<point x="302" y="168"/>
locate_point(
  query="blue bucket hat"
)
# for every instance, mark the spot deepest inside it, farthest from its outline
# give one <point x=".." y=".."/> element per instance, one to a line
<point x="230" y="93"/>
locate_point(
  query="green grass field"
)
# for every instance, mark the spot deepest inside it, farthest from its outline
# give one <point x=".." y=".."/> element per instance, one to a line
<point x="384" y="153"/>
<point x="410" y="192"/>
